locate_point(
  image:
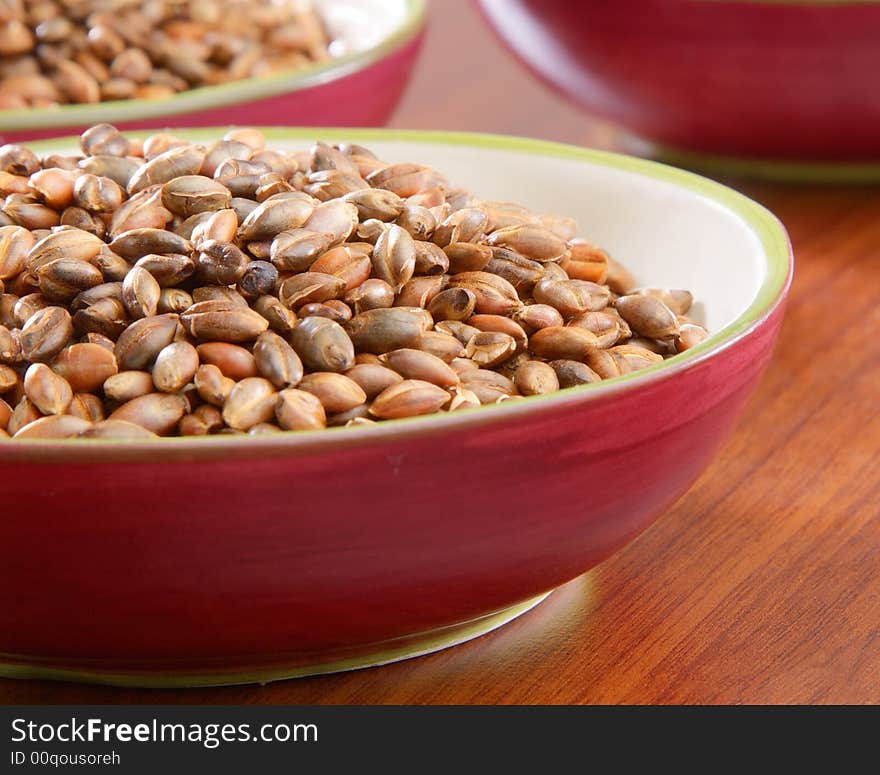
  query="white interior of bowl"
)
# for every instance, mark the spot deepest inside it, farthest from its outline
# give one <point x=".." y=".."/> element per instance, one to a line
<point x="666" y="235"/>
<point x="356" y="25"/>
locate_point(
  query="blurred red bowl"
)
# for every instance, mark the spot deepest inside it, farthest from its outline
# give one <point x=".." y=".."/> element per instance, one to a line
<point x="379" y="42"/>
<point x="222" y="559"/>
<point x="767" y="80"/>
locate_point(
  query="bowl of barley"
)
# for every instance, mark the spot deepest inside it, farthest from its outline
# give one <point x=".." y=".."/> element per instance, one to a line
<point x="67" y="66"/>
<point x="291" y="401"/>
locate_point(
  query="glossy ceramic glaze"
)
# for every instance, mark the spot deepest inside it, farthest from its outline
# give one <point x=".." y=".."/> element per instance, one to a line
<point x="360" y="87"/>
<point x="220" y="560"/>
<point x="775" y="80"/>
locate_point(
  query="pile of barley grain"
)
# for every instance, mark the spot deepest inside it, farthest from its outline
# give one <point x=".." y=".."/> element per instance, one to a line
<point x="54" y="52"/>
<point x="167" y="288"/>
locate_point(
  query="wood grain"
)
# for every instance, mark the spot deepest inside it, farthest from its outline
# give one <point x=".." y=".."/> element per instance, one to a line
<point x="762" y="585"/>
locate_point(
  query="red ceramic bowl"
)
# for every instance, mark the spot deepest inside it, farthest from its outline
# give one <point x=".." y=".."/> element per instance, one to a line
<point x="753" y="80"/>
<point x="382" y="39"/>
<point x="216" y="560"/>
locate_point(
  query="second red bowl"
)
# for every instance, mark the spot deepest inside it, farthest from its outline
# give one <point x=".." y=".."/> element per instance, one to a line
<point x="767" y="81"/>
<point x="361" y="87"/>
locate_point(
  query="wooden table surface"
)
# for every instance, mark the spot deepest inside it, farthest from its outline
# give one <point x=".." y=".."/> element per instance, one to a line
<point x="762" y="585"/>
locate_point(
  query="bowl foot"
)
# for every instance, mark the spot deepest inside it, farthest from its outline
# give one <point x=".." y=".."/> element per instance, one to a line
<point x="779" y="170"/>
<point x="372" y="655"/>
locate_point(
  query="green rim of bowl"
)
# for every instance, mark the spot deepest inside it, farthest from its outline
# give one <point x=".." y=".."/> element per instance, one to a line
<point x="223" y="95"/>
<point x="766" y="227"/>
